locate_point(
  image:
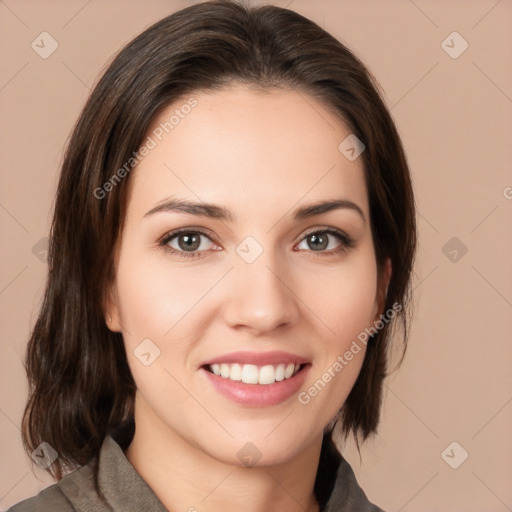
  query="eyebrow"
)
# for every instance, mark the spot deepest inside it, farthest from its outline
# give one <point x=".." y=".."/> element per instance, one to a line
<point x="219" y="212"/>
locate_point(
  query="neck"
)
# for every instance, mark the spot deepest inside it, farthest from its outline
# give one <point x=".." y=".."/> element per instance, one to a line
<point x="186" y="478"/>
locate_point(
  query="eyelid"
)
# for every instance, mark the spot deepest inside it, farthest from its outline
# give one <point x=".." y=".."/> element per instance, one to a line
<point x="189" y="229"/>
<point x="326" y="229"/>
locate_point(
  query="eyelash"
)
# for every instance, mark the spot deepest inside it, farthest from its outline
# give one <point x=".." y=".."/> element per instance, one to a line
<point x="346" y="242"/>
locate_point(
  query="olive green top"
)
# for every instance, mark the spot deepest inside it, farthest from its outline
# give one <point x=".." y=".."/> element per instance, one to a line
<point x="126" y="491"/>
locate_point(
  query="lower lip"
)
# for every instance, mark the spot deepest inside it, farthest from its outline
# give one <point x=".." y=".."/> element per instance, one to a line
<point x="258" y="395"/>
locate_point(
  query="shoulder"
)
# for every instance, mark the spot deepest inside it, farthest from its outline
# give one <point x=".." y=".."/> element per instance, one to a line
<point x="340" y="483"/>
<point x="52" y="498"/>
<point x="348" y="494"/>
<point x="61" y="496"/>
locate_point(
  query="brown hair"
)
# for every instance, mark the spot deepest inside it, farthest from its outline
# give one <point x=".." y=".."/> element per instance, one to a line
<point x="80" y="386"/>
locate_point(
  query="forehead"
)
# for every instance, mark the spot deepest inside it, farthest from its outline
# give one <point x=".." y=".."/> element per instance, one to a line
<point x="245" y="149"/>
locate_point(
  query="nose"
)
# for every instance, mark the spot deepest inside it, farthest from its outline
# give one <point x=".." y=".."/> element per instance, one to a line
<point x="260" y="297"/>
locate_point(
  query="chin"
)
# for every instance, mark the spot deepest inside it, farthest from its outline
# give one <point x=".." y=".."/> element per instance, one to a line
<point x="256" y="451"/>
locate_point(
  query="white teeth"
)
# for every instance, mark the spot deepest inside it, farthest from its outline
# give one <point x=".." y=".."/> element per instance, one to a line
<point x="236" y="372"/>
<point x="224" y="370"/>
<point x="266" y="375"/>
<point x="288" y="372"/>
<point x="252" y="374"/>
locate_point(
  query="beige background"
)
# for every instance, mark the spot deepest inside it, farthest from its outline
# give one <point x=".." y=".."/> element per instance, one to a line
<point x="455" y="117"/>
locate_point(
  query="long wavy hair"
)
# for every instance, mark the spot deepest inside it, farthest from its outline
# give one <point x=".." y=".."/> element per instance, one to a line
<point x="80" y="386"/>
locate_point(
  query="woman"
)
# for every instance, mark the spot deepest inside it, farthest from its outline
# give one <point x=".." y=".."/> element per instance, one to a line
<point x="231" y="246"/>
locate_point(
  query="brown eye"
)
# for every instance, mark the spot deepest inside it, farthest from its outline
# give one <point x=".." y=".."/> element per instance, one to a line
<point x="326" y="241"/>
<point x="189" y="242"/>
<point x="184" y="242"/>
<point x="318" y="242"/>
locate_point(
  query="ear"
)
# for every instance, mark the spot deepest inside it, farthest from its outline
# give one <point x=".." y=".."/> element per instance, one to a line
<point x="111" y="309"/>
<point x="382" y="287"/>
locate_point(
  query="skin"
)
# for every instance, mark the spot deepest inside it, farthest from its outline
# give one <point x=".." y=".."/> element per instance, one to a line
<point x="261" y="155"/>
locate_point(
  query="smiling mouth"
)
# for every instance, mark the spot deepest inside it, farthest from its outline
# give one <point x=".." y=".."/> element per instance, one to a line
<point x="253" y="374"/>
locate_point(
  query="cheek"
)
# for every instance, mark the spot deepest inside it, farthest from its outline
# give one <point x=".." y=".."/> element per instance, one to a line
<point x="344" y="297"/>
<point x="154" y="297"/>
<point x="155" y="304"/>
<point x="345" y="302"/>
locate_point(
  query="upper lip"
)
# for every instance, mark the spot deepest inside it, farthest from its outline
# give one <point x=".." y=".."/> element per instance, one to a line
<point x="257" y="358"/>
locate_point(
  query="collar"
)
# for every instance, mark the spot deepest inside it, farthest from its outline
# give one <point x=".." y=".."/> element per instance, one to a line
<point x="124" y="489"/>
<point x="118" y="481"/>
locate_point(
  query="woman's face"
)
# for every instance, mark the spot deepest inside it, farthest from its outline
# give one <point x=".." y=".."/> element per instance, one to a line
<point x="257" y="281"/>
